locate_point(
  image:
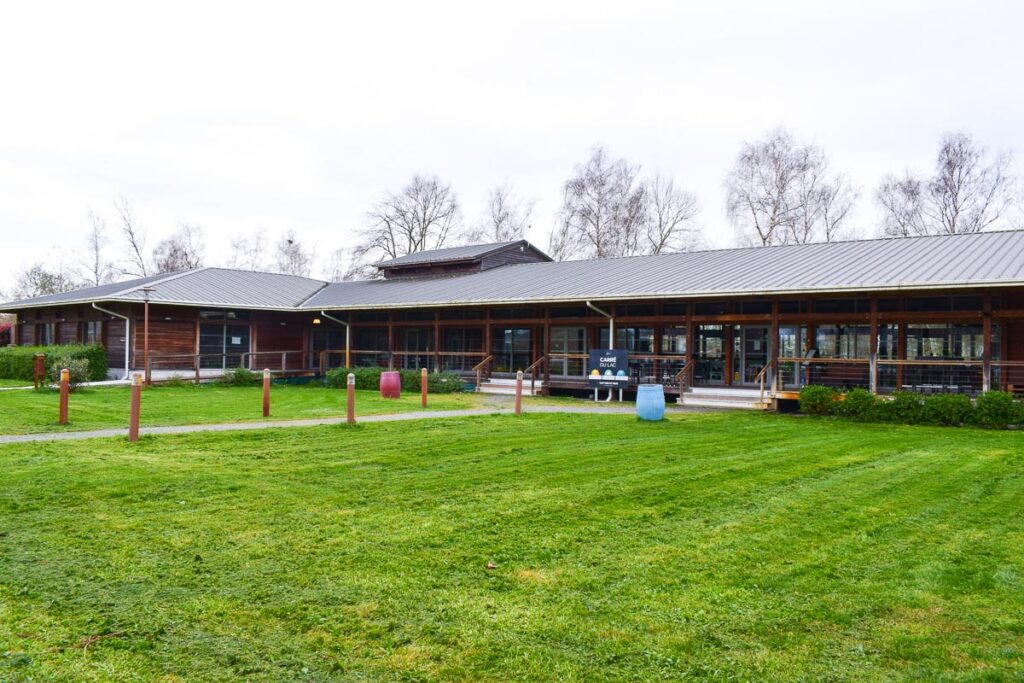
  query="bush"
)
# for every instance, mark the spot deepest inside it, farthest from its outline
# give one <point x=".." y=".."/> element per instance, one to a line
<point x="18" y="362"/>
<point x="818" y="400"/>
<point x="950" y="410"/>
<point x="905" y="407"/>
<point x="369" y="378"/>
<point x="240" y="377"/>
<point x="858" y="404"/>
<point x="997" y="410"/>
<point x="78" y="371"/>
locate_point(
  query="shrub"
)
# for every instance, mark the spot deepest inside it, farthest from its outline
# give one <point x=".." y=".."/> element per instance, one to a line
<point x="950" y="410"/>
<point x="369" y="378"/>
<point x="18" y="362"/>
<point x="997" y="410"/>
<point x="818" y="400"/>
<point x="240" y="377"/>
<point x="78" y="371"/>
<point x="904" y="406"/>
<point x="858" y="404"/>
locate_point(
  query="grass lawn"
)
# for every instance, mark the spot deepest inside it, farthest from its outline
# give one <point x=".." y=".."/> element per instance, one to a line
<point x="711" y="546"/>
<point x="25" y="412"/>
<point x="5" y="383"/>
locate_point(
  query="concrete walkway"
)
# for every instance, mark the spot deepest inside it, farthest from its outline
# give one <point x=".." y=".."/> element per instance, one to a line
<point x="250" y="426"/>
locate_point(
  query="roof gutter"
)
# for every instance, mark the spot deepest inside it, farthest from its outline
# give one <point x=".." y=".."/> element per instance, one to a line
<point x="348" y="336"/>
<point x="127" y="336"/>
<point x="611" y="324"/>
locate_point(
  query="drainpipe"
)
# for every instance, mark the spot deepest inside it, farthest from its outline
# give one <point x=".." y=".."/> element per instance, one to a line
<point x="348" y="336"/>
<point x="611" y="344"/>
<point x="127" y="337"/>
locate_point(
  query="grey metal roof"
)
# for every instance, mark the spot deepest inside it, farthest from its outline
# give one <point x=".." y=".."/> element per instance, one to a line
<point x="946" y="261"/>
<point x="469" y="252"/>
<point x="217" y="287"/>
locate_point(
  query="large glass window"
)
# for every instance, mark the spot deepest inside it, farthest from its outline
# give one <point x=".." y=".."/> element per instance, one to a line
<point x="843" y="341"/>
<point x="46" y="335"/>
<point x="632" y="339"/>
<point x="92" y="332"/>
<point x="457" y="341"/>
<point x="673" y="341"/>
<point x="222" y="345"/>
<point x="948" y="342"/>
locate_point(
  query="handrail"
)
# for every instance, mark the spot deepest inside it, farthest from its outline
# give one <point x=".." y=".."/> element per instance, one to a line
<point x="478" y="369"/>
<point x="760" y="378"/>
<point x="533" y="375"/>
<point x="682" y="375"/>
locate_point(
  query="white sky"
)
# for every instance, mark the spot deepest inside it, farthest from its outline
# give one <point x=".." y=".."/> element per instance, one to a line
<point x="294" y="115"/>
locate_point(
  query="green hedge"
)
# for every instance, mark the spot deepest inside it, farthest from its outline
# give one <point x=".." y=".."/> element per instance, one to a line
<point x="992" y="410"/>
<point x="18" y="362"/>
<point x="369" y="378"/>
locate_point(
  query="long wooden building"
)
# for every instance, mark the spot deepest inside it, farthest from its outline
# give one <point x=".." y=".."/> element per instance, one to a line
<point x="939" y="313"/>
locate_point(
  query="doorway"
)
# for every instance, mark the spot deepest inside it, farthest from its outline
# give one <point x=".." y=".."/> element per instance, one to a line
<point x="751" y="352"/>
<point x="512" y="349"/>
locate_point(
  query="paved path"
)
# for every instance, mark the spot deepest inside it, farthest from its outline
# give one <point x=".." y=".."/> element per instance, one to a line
<point x="249" y="426"/>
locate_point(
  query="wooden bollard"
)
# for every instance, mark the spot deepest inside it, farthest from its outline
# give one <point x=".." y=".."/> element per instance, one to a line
<point x="350" y="399"/>
<point x="266" y="392"/>
<point x="519" y="392"/>
<point x="65" y="382"/>
<point x="39" y="370"/>
<point x="133" y="416"/>
<point x="423" y="387"/>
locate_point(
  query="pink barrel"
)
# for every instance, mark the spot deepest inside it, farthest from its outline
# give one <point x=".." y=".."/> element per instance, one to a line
<point x="390" y="385"/>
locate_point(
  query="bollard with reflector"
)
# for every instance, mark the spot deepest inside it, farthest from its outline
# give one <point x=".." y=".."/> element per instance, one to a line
<point x="266" y="392"/>
<point x="423" y="387"/>
<point x="65" y="381"/>
<point x="519" y="392"/>
<point x="350" y="399"/>
<point x="133" y="415"/>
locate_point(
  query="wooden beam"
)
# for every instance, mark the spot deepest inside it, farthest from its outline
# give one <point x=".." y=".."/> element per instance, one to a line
<point x="986" y="344"/>
<point x="873" y="347"/>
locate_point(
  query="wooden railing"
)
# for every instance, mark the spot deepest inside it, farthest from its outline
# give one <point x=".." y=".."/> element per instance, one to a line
<point x="245" y="360"/>
<point x="531" y="371"/>
<point x="761" y="377"/>
<point x="683" y="377"/>
<point x="479" y="370"/>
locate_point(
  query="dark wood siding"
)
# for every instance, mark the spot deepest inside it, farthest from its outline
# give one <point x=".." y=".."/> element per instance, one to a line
<point x="511" y="256"/>
<point x="113" y="339"/>
<point x="276" y="333"/>
<point x="26" y="334"/>
<point x="67" y="333"/>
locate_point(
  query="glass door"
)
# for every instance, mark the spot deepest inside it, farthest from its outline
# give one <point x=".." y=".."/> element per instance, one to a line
<point x="751" y="346"/>
<point x="569" y="341"/>
<point x="710" y="353"/>
<point x="511" y="350"/>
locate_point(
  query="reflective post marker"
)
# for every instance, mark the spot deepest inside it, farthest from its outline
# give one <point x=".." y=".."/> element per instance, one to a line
<point x="40" y="369"/>
<point x="423" y="387"/>
<point x="133" y="417"/>
<point x="350" y="400"/>
<point x="65" y="381"/>
<point x="266" y="392"/>
<point x="519" y="392"/>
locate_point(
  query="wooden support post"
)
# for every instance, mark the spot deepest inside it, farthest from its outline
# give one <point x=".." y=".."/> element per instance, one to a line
<point x="145" y="341"/>
<point x="266" y="392"/>
<point x="65" y="382"/>
<point x="195" y="366"/>
<point x="39" y="370"/>
<point x="986" y="342"/>
<point x="133" y="415"/>
<point x="423" y="387"/>
<point x="546" y="350"/>
<point x="437" y="340"/>
<point x="873" y="348"/>
<point x="901" y="352"/>
<point x="727" y="342"/>
<point x="773" y="347"/>
<point x="519" y="393"/>
<point x="350" y="399"/>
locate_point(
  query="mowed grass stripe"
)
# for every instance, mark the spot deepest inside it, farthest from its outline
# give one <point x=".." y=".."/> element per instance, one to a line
<point x="719" y="546"/>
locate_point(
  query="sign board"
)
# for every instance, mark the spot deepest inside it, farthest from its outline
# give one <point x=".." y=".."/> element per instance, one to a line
<point x="608" y="368"/>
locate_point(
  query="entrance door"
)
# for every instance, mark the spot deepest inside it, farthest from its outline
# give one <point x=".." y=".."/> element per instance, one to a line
<point x="710" y="353"/>
<point x="225" y="345"/>
<point x="752" y="349"/>
<point x="567" y="342"/>
<point x="511" y="348"/>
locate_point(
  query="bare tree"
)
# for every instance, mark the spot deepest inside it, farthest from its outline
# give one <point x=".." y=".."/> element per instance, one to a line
<point x="99" y="270"/>
<point x="781" y="192"/>
<point x="291" y="258"/>
<point x="181" y="251"/>
<point x="422" y="216"/>
<point x="36" y="280"/>
<point x="603" y="210"/>
<point x="249" y="252"/>
<point x="969" y="192"/>
<point x="671" y="214"/>
<point x="134" y="236"/>
<point x="506" y="219"/>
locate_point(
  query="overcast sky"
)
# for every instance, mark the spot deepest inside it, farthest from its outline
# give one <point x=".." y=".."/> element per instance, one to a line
<point x="296" y="116"/>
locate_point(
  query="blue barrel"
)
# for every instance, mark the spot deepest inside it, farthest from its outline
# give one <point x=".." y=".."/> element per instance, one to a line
<point x="650" y="402"/>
